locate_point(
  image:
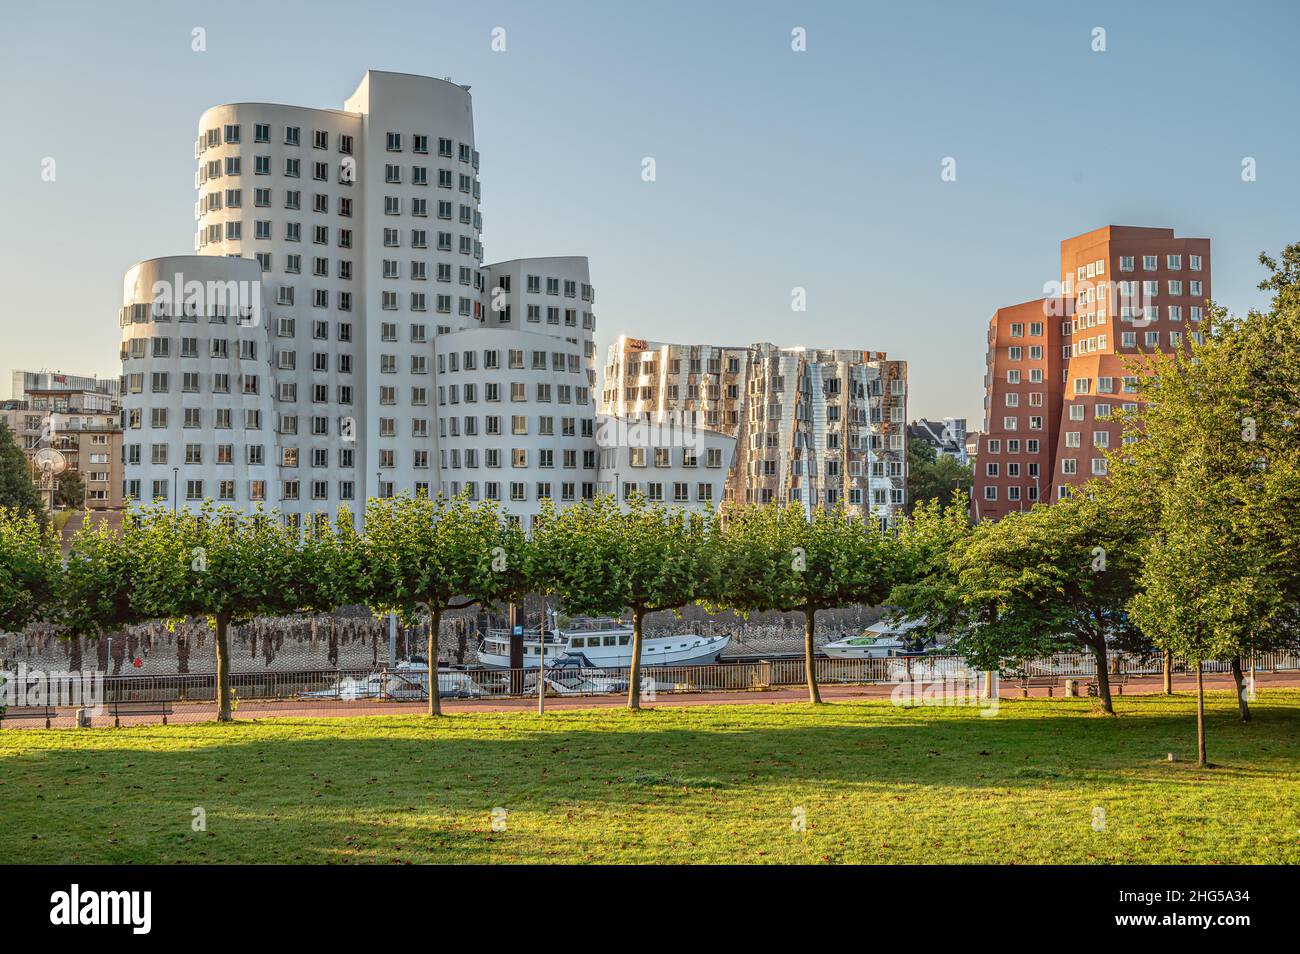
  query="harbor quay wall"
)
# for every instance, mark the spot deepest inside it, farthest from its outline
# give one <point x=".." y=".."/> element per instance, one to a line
<point x="354" y="639"/>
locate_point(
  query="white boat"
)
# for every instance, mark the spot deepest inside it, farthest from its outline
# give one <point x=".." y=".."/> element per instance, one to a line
<point x="605" y="644"/>
<point x="406" y="680"/>
<point x="878" y="641"/>
<point x="929" y="668"/>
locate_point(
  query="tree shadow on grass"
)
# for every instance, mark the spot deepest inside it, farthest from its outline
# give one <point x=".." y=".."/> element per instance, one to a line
<point x="394" y="789"/>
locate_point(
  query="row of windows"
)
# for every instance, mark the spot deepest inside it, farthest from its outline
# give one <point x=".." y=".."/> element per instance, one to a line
<point x="224" y="455"/>
<point x="664" y="457"/>
<point x="533" y="286"/>
<point x="994" y="445"/>
<point x="520" y="457"/>
<point x="161" y="347"/>
<point x="233" y="231"/>
<point x="198" y="489"/>
<point x="1151" y="262"/>
<point x="232" y="134"/>
<point x="233" y="166"/>
<point x="222" y="417"/>
<point x="1127" y="263"/>
<point x="646" y="365"/>
<point x="534" y="314"/>
<point x="285" y="296"/>
<point x="1013" y="470"/>
<point x="1013" y="493"/>
<point x="452" y="362"/>
<point x="518" y="490"/>
<point x="543" y="392"/>
<point x="1129" y="290"/>
<point x="519" y="425"/>
<point x="831" y="496"/>
<point x="191" y="383"/>
<point x="1017" y="329"/>
<point x="234" y="199"/>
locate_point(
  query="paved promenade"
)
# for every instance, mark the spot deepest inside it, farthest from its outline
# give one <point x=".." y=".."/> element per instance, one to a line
<point x="328" y="708"/>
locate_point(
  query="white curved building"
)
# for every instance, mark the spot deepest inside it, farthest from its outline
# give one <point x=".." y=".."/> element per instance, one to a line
<point x="532" y="374"/>
<point x="388" y="358"/>
<point x="197" y="412"/>
<point x="668" y="459"/>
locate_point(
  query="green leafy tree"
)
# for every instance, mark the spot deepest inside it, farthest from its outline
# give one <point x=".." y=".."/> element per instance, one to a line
<point x="601" y="559"/>
<point x="438" y="554"/>
<point x="928" y="590"/>
<point x="101" y="576"/>
<point x="216" y="563"/>
<point x="934" y="476"/>
<point x="1053" y="579"/>
<point x="1212" y="472"/>
<point x="780" y="558"/>
<point x="71" y="490"/>
<point x="331" y="565"/>
<point x="30" y="569"/>
<point x="1200" y="598"/>
<point x="17" y="489"/>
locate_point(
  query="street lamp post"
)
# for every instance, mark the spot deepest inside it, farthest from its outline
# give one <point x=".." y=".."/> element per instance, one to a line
<point x="176" y="490"/>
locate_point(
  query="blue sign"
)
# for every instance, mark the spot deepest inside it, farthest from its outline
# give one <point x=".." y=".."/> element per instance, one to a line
<point x="518" y="631"/>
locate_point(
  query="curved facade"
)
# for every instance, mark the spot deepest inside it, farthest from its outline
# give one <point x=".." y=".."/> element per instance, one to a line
<point x="1062" y="368"/>
<point x="514" y="419"/>
<point x="821" y="428"/>
<point x="198" y="417"/>
<point x="388" y="358"/>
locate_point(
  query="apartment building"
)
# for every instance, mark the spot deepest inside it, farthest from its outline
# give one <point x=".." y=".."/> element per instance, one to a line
<point x="815" y="427"/>
<point x="668" y="460"/>
<point x="25" y="381"/>
<point x="337" y="335"/>
<point x="947" y="437"/>
<point x="1022" y="407"/>
<point x="78" y="418"/>
<point x="1050" y="398"/>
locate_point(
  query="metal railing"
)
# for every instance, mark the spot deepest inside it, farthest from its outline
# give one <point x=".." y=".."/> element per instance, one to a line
<point x="411" y="683"/>
<point x="403" y="683"/>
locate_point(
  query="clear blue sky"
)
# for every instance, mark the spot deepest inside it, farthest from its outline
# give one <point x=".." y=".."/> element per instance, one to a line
<point x="776" y="169"/>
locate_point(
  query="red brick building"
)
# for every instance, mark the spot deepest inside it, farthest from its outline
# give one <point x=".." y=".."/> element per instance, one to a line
<point x="1059" y="367"/>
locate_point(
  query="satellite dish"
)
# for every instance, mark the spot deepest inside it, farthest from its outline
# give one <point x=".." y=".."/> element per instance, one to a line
<point x="50" y="461"/>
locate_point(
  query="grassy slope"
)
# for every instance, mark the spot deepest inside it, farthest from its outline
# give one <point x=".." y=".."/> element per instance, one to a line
<point x="716" y="784"/>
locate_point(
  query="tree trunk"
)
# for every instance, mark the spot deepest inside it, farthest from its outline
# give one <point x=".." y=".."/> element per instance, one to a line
<point x="809" y="664"/>
<point x="1200" y="716"/>
<point x="1242" y="705"/>
<point x="634" y="671"/>
<point x="431" y="650"/>
<point x="1103" y="677"/>
<point x="223" y="669"/>
<point x="1169" y="672"/>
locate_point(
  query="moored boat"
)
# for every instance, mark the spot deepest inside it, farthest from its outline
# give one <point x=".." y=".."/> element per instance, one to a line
<point x="605" y="643"/>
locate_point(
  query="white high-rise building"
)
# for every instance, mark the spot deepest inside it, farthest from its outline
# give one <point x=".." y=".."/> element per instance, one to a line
<point x="337" y="335"/>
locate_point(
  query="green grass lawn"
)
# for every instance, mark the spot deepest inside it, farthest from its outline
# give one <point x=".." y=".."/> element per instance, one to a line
<point x="876" y="783"/>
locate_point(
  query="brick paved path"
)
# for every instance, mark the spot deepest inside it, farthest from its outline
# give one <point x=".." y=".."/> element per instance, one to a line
<point x="318" y="708"/>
